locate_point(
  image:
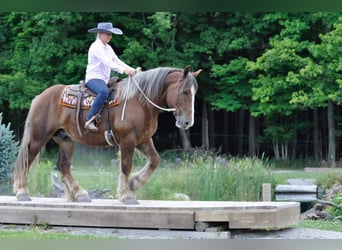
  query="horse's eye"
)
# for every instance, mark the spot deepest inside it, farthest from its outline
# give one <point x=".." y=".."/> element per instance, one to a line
<point x="185" y="93"/>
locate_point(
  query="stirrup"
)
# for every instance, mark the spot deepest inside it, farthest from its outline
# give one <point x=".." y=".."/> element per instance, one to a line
<point x="110" y="138"/>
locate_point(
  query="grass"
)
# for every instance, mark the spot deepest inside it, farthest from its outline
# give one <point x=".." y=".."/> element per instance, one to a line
<point x="35" y="234"/>
<point x="321" y="225"/>
<point x="200" y="175"/>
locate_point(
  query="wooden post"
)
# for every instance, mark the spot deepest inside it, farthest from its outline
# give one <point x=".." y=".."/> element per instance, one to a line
<point x="266" y="192"/>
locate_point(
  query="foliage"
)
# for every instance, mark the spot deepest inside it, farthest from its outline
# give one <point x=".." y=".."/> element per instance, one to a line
<point x="327" y="180"/>
<point x="272" y="64"/>
<point x="8" y="152"/>
<point x="204" y="176"/>
<point x="39" y="179"/>
<point x="322" y="73"/>
<point x="335" y="211"/>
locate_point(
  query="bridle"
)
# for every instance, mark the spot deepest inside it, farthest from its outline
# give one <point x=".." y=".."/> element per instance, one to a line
<point x="131" y="78"/>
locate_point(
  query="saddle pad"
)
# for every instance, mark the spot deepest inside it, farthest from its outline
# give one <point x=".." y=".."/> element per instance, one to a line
<point x="69" y="98"/>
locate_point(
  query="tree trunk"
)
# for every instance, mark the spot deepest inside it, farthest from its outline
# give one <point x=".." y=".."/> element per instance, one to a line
<point x="316" y="135"/>
<point x="332" y="142"/>
<point x="294" y="143"/>
<point x="185" y="137"/>
<point x="276" y="150"/>
<point x="240" y="131"/>
<point x="285" y="151"/>
<point x="251" y="136"/>
<point x="205" y="131"/>
<point x="211" y="116"/>
<point x="225" y="132"/>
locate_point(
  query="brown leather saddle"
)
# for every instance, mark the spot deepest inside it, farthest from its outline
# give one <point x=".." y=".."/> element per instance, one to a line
<point x="79" y="97"/>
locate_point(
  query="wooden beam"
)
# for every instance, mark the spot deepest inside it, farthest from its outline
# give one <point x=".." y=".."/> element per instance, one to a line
<point x="149" y="213"/>
<point x="97" y="217"/>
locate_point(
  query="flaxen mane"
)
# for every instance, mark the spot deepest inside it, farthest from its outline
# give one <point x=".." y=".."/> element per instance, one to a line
<point x="151" y="82"/>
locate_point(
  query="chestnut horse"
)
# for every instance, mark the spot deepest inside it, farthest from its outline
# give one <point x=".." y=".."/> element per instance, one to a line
<point x="144" y="94"/>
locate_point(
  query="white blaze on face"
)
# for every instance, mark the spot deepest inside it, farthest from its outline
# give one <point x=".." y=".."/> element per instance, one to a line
<point x="192" y="105"/>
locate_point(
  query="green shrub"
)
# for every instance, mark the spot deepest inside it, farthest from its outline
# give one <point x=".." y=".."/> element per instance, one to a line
<point x="8" y="152"/>
<point x="335" y="211"/>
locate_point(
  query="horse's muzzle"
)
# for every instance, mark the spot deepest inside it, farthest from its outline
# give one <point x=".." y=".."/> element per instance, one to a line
<point x="183" y="122"/>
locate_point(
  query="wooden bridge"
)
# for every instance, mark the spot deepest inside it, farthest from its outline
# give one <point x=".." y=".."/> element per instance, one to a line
<point x="150" y="214"/>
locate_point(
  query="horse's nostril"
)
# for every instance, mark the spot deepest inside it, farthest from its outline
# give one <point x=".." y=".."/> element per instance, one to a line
<point x="187" y="123"/>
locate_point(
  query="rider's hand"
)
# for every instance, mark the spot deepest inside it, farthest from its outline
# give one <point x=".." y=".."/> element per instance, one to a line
<point x="130" y="71"/>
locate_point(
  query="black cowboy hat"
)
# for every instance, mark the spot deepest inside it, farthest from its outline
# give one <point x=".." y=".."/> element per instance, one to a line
<point x="106" y="28"/>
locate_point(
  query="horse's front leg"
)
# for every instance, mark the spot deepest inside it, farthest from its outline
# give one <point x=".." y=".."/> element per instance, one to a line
<point x="124" y="192"/>
<point x="153" y="159"/>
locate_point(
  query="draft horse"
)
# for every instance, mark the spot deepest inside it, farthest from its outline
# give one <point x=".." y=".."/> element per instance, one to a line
<point x="164" y="87"/>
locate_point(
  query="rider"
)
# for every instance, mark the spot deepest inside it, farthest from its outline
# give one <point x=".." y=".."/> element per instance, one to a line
<point x="101" y="60"/>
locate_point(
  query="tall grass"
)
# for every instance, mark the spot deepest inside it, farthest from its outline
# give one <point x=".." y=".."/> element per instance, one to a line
<point x="201" y="175"/>
<point x="39" y="178"/>
<point x="206" y="176"/>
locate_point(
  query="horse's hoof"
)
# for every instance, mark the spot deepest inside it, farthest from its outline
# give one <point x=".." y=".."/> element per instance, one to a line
<point x="130" y="201"/>
<point x="23" y="197"/>
<point x="83" y="198"/>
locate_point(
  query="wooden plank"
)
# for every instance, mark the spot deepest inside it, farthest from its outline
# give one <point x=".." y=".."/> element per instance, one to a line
<point x="296" y="189"/>
<point x="296" y="197"/>
<point x="287" y="216"/>
<point x="97" y="217"/>
<point x="149" y="213"/>
<point x="266" y="192"/>
<point x="253" y="218"/>
<point x="301" y="181"/>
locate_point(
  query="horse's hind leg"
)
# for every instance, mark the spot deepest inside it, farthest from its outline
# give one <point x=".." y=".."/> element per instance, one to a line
<point x="139" y="179"/>
<point x="30" y="147"/>
<point x="22" y="166"/>
<point x="72" y="190"/>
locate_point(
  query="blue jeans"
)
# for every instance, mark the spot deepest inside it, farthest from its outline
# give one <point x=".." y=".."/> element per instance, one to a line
<point x="100" y="88"/>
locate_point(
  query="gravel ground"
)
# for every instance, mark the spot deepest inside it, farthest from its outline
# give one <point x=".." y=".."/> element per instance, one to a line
<point x="292" y="233"/>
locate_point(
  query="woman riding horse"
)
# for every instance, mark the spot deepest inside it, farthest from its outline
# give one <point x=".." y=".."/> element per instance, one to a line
<point x="101" y="60"/>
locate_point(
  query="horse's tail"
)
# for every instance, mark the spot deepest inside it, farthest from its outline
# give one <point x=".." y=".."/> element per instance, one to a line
<point x="21" y="165"/>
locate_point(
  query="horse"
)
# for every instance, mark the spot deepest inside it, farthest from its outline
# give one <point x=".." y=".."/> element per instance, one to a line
<point x="134" y="121"/>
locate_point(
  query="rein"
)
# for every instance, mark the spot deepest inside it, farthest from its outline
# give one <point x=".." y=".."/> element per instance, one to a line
<point x="148" y="99"/>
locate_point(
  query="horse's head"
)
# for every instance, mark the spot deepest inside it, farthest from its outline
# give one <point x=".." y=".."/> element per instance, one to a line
<point x="183" y="98"/>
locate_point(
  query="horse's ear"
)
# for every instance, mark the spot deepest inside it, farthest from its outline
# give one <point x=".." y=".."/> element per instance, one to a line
<point x="195" y="74"/>
<point x="186" y="70"/>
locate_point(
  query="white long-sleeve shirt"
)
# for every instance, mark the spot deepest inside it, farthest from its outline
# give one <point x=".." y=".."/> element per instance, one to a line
<point x="101" y="60"/>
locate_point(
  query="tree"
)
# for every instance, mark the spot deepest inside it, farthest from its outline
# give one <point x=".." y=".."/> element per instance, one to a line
<point x="8" y="152"/>
<point x="274" y="84"/>
<point x="41" y="49"/>
<point x="323" y="75"/>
